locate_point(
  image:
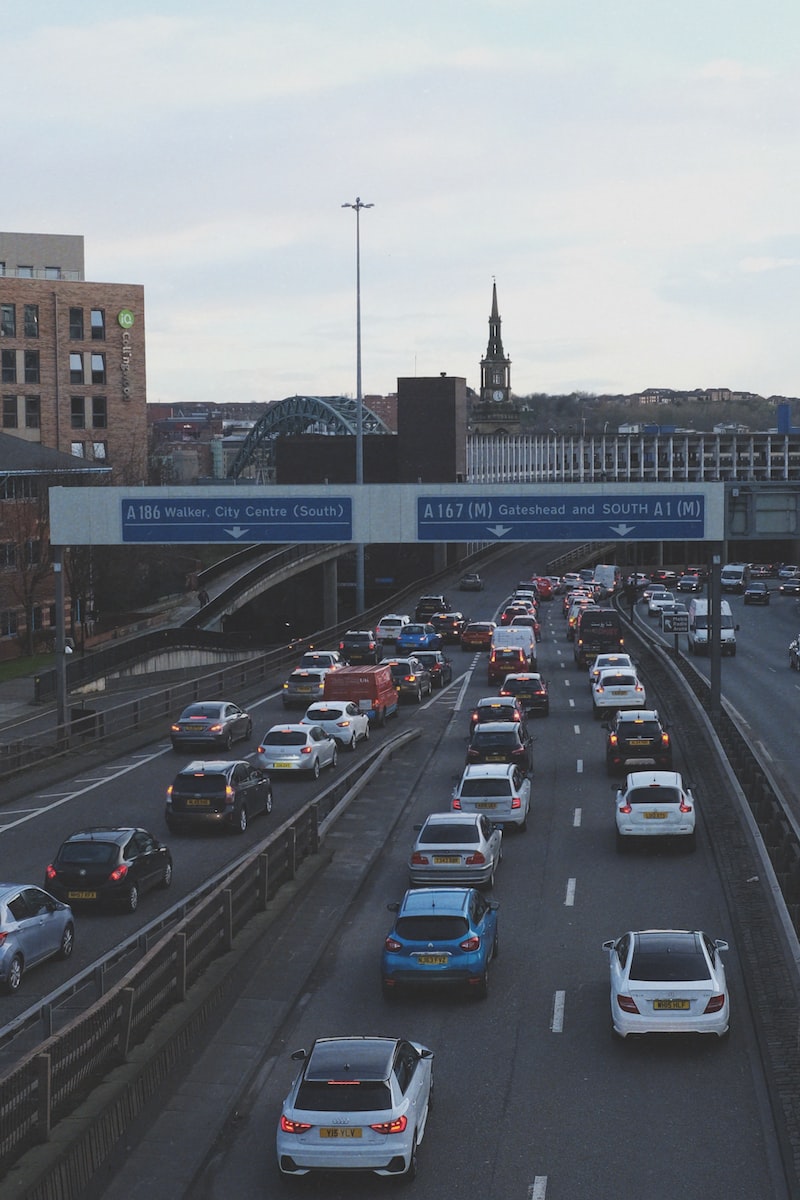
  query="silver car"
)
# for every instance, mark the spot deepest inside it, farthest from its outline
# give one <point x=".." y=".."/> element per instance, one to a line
<point x="342" y="720"/>
<point x="217" y="722"/>
<point x="463" y="848"/>
<point x="305" y="748"/>
<point x="34" y="926"/>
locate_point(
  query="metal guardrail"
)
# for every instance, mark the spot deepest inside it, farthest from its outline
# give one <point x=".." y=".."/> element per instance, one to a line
<point x="48" y="1083"/>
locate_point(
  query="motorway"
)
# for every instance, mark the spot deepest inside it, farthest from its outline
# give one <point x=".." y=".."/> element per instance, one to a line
<point x="535" y="1098"/>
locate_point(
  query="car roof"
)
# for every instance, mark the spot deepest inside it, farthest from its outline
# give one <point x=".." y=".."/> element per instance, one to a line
<point x="630" y="716"/>
<point x="525" y="676"/>
<point x="486" y="770"/>
<point x="494" y="727"/>
<point x="503" y="701"/>
<point x="104" y="833"/>
<point x="362" y="1058"/>
<point x="286" y="727"/>
<point x="212" y="766"/>
<point x="427" y="900"/>
<point x="645" y="779"/>
<point x="452" y="818"/>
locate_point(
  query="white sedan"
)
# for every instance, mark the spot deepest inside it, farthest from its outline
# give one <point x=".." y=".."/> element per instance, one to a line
<point x="614" y="689"/>
<point x="304" y="748"/>
<point x="604" y="662"/>
<point x="668" y="981"/>
<point x="655" y="804"/>
<point x="341" y="720"/>
<point x="659" y="600"/>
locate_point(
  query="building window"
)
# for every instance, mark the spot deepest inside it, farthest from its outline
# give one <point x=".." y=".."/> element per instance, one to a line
<point x="25" y="272"/>
<point x="8" y="366"/>
<point x="77" y="450"/>
<point x="76" y="368"/>
<point x="8" y="555"/>
<point x="76" y="324"/>
<point x="8" y="623"/>
<point x="51" y="616"/>
<point x="10" y="412"/>
<point x="52" y="272"/>
<point x="100" y="451"/>
<point x="33" y="552"/>
<point x="99" y="412"/>
<point x="2" y="268"/>
<point x="32" y="412"/>
<point x="98" y="368"/>
<point x="31" y="366"/>
<point x="37" y="617"/>
<point x="77" y="414"/>
<point x="8" y="320"/>
<point x="32" y="320"/>
<point x="98" y="319"/>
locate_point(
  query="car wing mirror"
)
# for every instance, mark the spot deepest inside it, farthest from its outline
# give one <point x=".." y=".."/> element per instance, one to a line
<point x="394" y="906"/>
<point x="417" y="828"/>
<point x="298" y="1055"/>
<point x="609" y="945"/>
<point x="494" y="905"/>
<point x="720" y="945"/>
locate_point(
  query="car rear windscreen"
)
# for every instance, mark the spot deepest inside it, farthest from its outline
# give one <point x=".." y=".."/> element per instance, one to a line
<point x="87" y="852"/>
<point x="654" y="795"/>
<point x="199" y="785"/>
<point x="432" y="928"/>
<point x="284" y="737"/>
<point x="472" y="788"/>
<point x="671" y="965"/>
<point x="344" y="1095"/>
<point x="449" y="835"/>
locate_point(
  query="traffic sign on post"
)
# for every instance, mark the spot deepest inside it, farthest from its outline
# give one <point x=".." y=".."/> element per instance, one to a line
<point x="231" y="519"/>
<point x="646" y="516"/>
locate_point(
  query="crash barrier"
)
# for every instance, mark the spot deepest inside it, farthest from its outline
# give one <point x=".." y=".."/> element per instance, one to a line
<point x="49" y="1083"/>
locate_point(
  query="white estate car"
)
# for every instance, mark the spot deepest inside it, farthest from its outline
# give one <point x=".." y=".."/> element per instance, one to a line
<point x="500" y="790"/>
<point x="667" y="981"/>
<point x="614" y="689"/>
<point x="659" y="600"/>
<point x="358" y="1104"/>
<point x="604" y="662"/>
<point x="654" y="804"/>
<point x="390" y="626"/>
<point x="341" y="719"/>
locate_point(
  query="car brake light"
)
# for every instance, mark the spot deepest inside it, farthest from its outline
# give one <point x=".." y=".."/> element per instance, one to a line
<point x="471" y="943"/>
<point x="50" y="872"/>
<point x="665" y="739"/>
<point x="228" y="792"/>
<point x="398" y="1125"/>
<point x="120" y="873"/>
<point x="169" y="791"/>
<point x="612" y="739"/>
<point x="419" y="860"/>
<point x="175" y="729"/>
<point x="260" y="750"/>
<point x="627" y="1004"/>
<point x="288" y="1126"/>
<point x="516" y="802"/>
<point x="3" y="937"/>
<point x="305" y="750"/>
<point x="215" y="729"/>
<point x="410" y="678"/>
<point x="715" y="1004"/>
<point x="342" y="724"/>
<point x="456" y="804"/>
<point x="393" y="945"/>
<point x="683" y="806"/>
<point x="475" y="860"/>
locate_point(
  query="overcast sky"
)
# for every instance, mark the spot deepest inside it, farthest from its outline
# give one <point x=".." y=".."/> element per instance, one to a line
<point x="627" y="170"/>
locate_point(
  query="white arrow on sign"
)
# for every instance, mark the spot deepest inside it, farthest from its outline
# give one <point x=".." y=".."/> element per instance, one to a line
<point x="500" y="530"/>
<point x="622" y="529"/>
<point x="237" y="531"/>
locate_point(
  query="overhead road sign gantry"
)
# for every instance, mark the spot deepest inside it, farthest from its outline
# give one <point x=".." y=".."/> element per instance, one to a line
<point x="230" y="519"/>
<point x="587" y="516"/>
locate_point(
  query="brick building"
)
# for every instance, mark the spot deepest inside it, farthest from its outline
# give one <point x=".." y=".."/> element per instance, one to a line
<point x="72" y="356"/>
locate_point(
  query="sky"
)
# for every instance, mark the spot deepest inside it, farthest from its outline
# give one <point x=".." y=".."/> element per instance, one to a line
<point x="626" y="171"/>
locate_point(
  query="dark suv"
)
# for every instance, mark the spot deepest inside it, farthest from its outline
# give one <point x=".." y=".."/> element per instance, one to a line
<point x="360" y="646"/>
<point x="637" y="738"/>
<point x="106" y="865"/>
<point x="500" y="742"/>
<point x="428" y="605"/>
<point x="217" y="793"/>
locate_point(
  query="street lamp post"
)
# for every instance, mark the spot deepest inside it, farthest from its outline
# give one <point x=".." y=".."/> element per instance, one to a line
<point x="359" y="204"/>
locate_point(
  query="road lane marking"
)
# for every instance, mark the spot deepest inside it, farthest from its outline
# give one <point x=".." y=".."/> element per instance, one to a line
<point x="538" y="1189"/>
<point x="576" y="729"/>
<point x="579" y="766"/>
<point x="569" y="899"/>
<point x="557" y="1021"/>
<point x="578" y="816"/>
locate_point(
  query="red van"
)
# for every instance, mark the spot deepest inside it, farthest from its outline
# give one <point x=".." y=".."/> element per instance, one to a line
<point x="371" y="688"/>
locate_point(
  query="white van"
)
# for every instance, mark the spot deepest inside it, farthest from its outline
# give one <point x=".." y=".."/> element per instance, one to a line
<point x="516" y="635"/>
<point x="606" y="580"/>
<point x="698" y="626"/>
<point x="734" y="577"/>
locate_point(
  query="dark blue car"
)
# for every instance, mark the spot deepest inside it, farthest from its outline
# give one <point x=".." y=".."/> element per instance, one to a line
<point x="441" y="936"/>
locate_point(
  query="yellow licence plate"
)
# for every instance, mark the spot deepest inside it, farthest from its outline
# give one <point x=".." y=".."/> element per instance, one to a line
<point x="81" y="895"/>
<point x="281" y="764"/>
<point x="432" y="960"/>
<point x="655" y="816"/>
<point x="671" y="1005"/>
<point x="638" y="742"/>
<point x="486" y="804"/>
<point x="198" y="802"/>
<point x="447" y="858"/>
<point x="339" y="1133"/>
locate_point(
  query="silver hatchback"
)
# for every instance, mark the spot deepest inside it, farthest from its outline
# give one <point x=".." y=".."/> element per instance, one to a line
<point x="304" y="748"/>
<point x="34" y="926"/>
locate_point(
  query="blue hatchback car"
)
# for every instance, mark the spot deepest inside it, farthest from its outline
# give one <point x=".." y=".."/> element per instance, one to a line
<point x="418" y="637"/>
<point x="441" y="936"/>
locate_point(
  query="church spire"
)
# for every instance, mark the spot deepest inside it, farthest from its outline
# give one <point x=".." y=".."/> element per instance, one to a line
<point x="495" y="367"/>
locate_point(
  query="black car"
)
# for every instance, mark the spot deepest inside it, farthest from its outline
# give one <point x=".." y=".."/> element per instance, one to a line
<point x="790" y="587"/>
<point x="637" y="738"/>
<point x="756" y="592"/>
<point x="360" y="646"/>
<point x="497" y="708"/>
<point x="449" y="625"/>
<point x="411" y="678"/>
<point x="224" y="794"/>
<point x="500" y="742"/>
<point x="428" y="605"/>
<point x="690" y="583"/>
<point x="440" y="667"/>
<point x="530" y="689"/>
<point x="108" y="865"/>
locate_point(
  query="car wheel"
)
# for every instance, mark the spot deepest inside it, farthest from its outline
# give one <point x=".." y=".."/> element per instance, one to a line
<point x="496" y="946"/>
<point x="166" y="878"/>
<point x="418" y="699"/>
<point x="14" y="977"/>
<point x="410" y="1173"/>
<point x="228" y="740"/>
<point x="67" y="941"/>
<point x="248" y="733"/>
<point x="482" y="990"/>
<point x="351" y="745"/>
<point x="314" y="769"/>
<point x="268" y="803"/>
<point x="366" y="732"/>
<point x="380" y="718"/>
<point x="335" y="755"/>
<point x="523" y="825"/>
<point x="241" y="823"/>
<point x="132" y="899"/>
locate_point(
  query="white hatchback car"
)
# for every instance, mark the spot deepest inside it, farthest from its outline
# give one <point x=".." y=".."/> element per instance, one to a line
<point x="341" y="720"/>
<point x="659" y="600"/>
<point x="500" y="790"/>
<point x="390" y="626"/>
<point x="668" y="981"/>
<point x="614" y="689"/>
<point x="604" y="662"/>
<point x="358" y="1104"/>
<point x="304" y="748"/>
<point x="655" y="804"/>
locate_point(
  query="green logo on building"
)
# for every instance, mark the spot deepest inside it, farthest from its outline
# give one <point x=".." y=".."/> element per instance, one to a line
<point x="125" y="318"/>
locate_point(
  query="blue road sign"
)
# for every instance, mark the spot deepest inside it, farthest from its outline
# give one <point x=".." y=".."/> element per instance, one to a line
<point x="231" y="519"/>
<point x="648" y="516"/>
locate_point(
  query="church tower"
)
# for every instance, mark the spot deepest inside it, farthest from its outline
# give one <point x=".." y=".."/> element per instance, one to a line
<point x="495" y="411"/>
